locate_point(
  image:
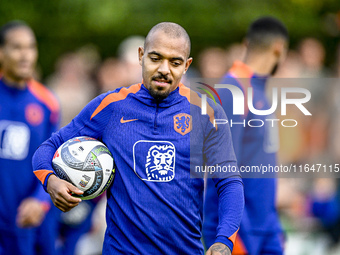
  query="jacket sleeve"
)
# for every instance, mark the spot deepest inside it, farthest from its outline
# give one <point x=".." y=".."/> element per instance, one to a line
<point x="219" y="152"/>
<point x="230" y="209"/>
<point x="84" y="124"/>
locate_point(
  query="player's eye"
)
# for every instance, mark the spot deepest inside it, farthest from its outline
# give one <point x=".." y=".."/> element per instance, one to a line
<point x="15" y="47"/>
<point x="176" y="63"/>
<point x="154" y="59"/>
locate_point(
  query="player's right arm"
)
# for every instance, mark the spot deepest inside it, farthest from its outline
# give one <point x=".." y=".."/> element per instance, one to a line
<point x="84" y="124"/>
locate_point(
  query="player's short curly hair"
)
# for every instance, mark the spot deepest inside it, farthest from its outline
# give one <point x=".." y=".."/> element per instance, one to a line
<point x="10" y="26"/>
<point x="263" y="31"/>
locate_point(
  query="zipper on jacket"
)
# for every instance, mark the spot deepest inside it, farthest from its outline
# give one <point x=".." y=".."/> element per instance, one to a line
<point x="156" y="114"/>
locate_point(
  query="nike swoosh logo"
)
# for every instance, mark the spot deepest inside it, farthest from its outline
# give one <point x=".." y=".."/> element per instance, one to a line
<point x="125" y="121"/>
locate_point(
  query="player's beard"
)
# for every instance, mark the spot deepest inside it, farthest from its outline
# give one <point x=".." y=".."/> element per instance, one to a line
<point x="274" y="70"/>
<point x="159" y="94"/>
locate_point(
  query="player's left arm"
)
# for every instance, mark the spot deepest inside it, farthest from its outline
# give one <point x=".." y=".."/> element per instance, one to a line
<point x="230" y="209"/>
<point x="219" y="151"/>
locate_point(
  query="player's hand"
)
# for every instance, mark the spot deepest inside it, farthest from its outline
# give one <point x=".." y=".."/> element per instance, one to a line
<point x="60" y="192"/>
<point x="218" y="249"/>
<point x="30" y="213"/>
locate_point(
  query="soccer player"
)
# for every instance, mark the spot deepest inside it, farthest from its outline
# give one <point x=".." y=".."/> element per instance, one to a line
<point x="28" y="116"/>
<point x="260" y="229"/>
<point x="152" y="128"/>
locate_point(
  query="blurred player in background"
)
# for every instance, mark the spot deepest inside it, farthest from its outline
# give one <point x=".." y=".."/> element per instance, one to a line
<point x="125" y="70"/>
<point x="128" y="55"/>
<point x="72" y="83"/>
<point x="213" y="62"/>
<point x="148" y="128"/>
<point x="73" y="86"/>
<point x="260" y="231"/>
<point x="28" y="115"/>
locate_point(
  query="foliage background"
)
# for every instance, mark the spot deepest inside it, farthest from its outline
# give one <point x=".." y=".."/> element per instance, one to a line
<point x="65" y="25"/>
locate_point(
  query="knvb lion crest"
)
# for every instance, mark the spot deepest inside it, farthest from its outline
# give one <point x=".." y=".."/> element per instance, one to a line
<point x="182" y="123"/>
<point x="160" y="163"/>
<point x="154" y="161"/>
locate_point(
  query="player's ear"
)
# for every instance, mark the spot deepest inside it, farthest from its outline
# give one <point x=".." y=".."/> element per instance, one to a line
<point x="187" y="64"/>
<point x="279" y="48"/>
<point x="140" y="54"/>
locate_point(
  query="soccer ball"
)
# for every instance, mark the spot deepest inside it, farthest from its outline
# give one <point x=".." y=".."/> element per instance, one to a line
<point x="86" y="163"/>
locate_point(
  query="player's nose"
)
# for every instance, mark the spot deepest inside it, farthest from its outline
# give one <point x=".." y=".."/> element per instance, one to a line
<point x="164" y="67"/>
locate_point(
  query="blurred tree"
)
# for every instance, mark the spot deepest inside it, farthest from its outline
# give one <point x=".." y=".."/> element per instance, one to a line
<point x="65" y="25"/>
